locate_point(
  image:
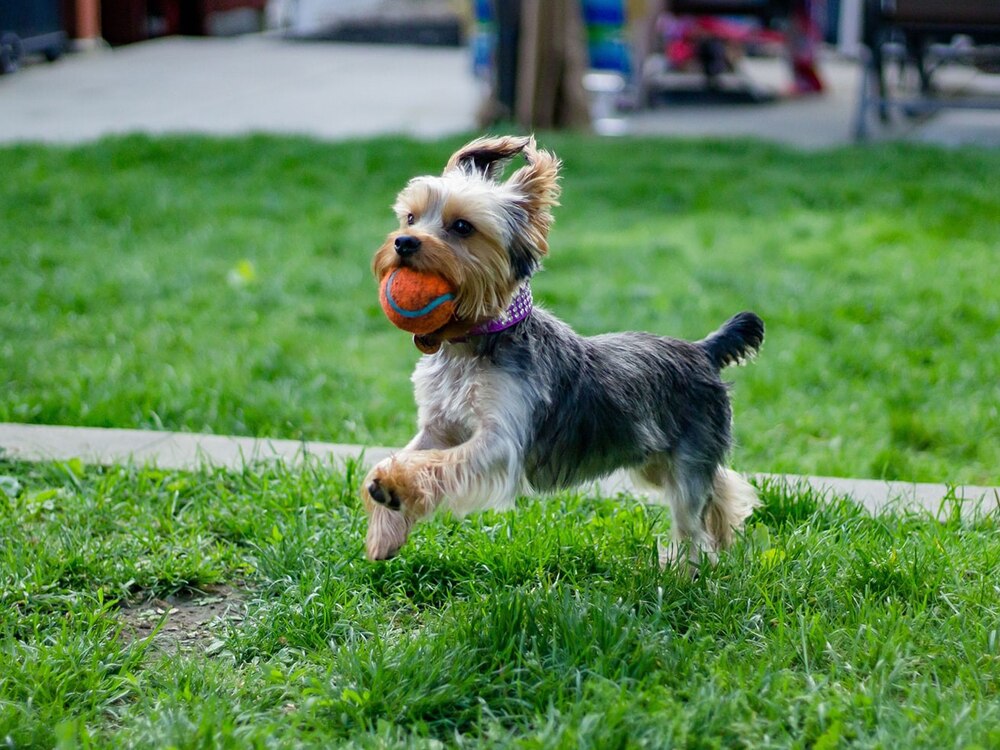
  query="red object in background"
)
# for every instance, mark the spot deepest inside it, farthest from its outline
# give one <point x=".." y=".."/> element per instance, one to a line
<point x="126" y="21"/>
<point x="684" y="34"/>
<point x="803" y="40"/>
<point x="714" y="42"/>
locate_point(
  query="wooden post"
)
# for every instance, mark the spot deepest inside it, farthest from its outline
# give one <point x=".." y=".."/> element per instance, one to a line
<point x="83" y="22"/>
<point x="551" y="62"/>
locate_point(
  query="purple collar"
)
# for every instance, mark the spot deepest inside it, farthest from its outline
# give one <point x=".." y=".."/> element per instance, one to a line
<point x="519" y="309"/>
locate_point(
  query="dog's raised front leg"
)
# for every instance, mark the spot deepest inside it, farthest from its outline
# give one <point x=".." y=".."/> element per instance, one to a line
<point x="388" y="525"/>
<point x="483" y="472"/>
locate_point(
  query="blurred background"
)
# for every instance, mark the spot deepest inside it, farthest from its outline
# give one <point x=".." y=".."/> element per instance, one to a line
<point x="808" y="72"/>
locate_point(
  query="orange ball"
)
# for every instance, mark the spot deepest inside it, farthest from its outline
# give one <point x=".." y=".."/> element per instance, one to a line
<point x="416" y="301"/>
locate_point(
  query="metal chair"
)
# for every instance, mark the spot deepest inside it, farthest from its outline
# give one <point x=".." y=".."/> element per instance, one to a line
<point x="920" y="37"/>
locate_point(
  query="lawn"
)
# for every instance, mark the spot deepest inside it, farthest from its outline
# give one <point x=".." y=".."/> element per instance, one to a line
<point x="223" y="285"/>
<point x="550" y="627"/>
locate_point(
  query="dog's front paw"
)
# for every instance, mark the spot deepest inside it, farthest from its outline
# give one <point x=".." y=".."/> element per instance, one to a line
<point x="394" y="499"/>
<point x="396" y="484"/>
<point x="382" y="495"/>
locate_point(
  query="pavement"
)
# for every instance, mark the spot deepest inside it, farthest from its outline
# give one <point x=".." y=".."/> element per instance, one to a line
<point x="183" y="451"/>
<point x="266" y="83"/>
<point x="239" y="85"/>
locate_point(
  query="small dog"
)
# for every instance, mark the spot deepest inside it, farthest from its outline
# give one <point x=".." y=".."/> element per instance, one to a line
<point x="511" y="400"/>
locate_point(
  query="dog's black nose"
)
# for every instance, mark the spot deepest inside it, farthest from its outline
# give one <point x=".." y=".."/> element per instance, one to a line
<point x="407" y="244"/>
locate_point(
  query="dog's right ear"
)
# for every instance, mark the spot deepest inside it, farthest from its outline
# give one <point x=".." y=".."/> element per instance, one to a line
<point x="487" y="156"/>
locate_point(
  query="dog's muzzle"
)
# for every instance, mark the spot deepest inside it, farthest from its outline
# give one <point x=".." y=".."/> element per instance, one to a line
<point x="406" y="245"/>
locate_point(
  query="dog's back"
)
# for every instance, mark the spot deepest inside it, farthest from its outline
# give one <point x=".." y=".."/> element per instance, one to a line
<point x="611" y="401"/>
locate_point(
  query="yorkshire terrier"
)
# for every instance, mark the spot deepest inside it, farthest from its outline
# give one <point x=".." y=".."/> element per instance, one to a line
<point x="511" y="400"/>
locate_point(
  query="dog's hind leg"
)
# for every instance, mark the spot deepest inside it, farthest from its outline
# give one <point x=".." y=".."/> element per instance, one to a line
<point x="708" y="505"/>
<point x="686" y="490"/>
<point x="732" y="501"/>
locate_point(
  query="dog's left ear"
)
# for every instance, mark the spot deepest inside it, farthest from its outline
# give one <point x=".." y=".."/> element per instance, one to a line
<point x="489" y="155"/>
<point x="538" y="180"/>
<point x="537" y="186"/>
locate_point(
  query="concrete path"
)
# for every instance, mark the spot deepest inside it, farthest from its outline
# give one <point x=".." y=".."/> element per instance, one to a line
<point x="174" y="450"/>
<point x="238" y="85"/>
<point x="260" y="83"/>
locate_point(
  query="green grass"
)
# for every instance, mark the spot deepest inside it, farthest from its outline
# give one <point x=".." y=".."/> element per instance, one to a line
<point x="550" y="627"/>
<point x="223" y="286"/>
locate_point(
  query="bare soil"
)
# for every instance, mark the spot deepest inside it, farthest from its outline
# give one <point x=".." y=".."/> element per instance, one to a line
<point x="190" y="621"/>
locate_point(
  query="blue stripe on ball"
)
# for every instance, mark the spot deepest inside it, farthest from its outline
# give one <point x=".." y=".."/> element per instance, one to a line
<point x="436" y="302"/>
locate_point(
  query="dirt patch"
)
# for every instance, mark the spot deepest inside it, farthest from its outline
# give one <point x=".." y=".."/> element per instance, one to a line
<point x="190" y="622"/>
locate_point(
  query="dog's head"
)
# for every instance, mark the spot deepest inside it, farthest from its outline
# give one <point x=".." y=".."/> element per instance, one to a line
<point x="482" y="233"/>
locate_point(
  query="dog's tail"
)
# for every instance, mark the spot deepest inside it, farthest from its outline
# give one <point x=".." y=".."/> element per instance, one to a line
<point x="738" y="340"/>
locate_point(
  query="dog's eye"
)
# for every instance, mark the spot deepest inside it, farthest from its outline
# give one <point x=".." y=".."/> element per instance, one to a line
<point x="462" y="228"/>
<point x="410" y="219"/>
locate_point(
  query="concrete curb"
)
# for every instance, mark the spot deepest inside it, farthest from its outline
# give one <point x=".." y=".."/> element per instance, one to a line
<point x="175" y="450"/>
<point x="167" y="450"/>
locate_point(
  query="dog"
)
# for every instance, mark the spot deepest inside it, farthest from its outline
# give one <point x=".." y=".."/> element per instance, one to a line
<point x="511" y="400"/>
